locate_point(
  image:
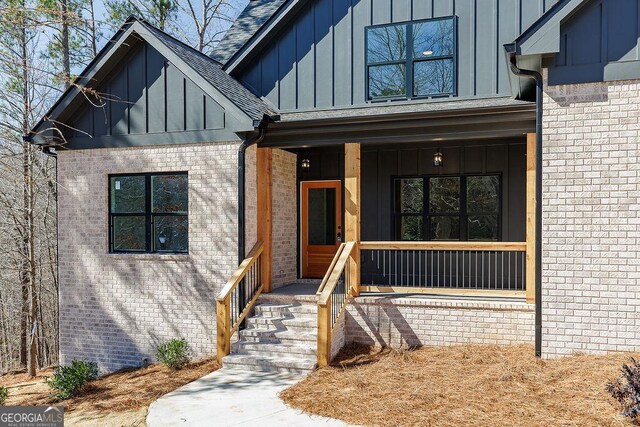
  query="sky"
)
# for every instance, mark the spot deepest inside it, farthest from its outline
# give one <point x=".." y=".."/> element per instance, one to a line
<point x="101" y="13"/>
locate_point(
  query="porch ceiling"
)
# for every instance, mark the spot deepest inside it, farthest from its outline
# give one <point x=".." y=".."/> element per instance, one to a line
<point x="390" y="124"/>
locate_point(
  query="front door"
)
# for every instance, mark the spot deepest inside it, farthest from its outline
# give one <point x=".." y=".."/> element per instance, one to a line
<point x="321" y="226"/>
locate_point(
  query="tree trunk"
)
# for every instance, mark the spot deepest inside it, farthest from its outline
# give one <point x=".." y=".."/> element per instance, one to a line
<point x="66" y="55"/>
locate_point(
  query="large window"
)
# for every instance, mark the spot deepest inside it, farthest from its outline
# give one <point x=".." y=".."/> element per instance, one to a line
<point x="414" y="59"/>
<point x="447" y="208"/>
<point x="149" y="213"/>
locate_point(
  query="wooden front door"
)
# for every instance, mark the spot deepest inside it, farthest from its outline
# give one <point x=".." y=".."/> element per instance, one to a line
<point x="321" y="226"/>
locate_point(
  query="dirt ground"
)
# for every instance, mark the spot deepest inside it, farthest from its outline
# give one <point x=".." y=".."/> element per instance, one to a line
<point x="118" y="399"/>
<point x="462" y="386"/>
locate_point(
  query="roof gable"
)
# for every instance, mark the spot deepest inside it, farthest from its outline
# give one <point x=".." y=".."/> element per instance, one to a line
<point x="205" y="73"/>
<point x="543" y="37"/>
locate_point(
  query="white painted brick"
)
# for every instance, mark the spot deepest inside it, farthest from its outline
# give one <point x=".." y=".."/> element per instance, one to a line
<point x="591" y="218"/>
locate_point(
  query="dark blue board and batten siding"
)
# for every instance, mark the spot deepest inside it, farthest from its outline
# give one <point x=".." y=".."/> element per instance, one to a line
<point x="599" y="43"/>
<point x="318" y="61"/>
<point x="146" y="95"/>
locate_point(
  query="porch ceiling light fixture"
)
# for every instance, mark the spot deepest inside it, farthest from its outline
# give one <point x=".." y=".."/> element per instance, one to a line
<point x="306" y="164"/>
<point x="438" y="159"/>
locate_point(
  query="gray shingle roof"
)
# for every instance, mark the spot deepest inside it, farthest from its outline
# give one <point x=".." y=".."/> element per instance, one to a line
<point x="212" y="71"/>
<point x="252" y="18"/>
<point x="419" y="106"/>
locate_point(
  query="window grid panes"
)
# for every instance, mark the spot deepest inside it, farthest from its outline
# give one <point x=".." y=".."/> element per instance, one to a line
<point x="149" y="213"/>
<point x="411" y="59"/>
<point x="447" y="208"/>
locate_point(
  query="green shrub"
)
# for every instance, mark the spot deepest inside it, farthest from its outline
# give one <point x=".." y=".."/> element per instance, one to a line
<point x="174" y="353"/>
<point x="4" y="395"/>
<point x="626" y="389"/>
<point x="68" y="381"/>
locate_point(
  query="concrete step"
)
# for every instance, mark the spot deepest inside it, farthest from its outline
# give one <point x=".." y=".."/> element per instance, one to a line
<point x="299" y="365"/>
<point x="270" y="349"/>
<point x="300" y="324"/>
<point x="275" y="298"/>
<point x="286" y="310"/>
<point x="273" y="335"/>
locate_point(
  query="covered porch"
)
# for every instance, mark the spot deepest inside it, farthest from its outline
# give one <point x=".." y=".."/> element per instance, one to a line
<point x="437" y="203"/>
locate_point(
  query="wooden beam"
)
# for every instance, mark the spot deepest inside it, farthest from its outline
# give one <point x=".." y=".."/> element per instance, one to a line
<point x="352" y="211"/>
<point x="446" y="246"/>
<point x="223" y="323"/>
<point x="324" y="334"/>
<point x="265" y="218"/>
<point x="530" y="273"/>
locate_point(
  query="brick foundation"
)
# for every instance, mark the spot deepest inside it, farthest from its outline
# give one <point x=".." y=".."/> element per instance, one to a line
<point x="417" y="321"/>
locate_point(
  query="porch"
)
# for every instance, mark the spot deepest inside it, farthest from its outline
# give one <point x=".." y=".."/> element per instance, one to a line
<point x="377" y="219"/>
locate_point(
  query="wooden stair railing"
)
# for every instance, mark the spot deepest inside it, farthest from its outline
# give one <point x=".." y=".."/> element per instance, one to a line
<point x="334" y="294"/>
<point x="237" y="298"/>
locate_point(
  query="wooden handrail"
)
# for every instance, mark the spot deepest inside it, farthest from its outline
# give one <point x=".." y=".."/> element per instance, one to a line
<point x="326" y="323"/>
<point x="445" y="246"/>
<point x="335" y="273"/>
<point x="239" y="274"/>
<point x="223" y="303"/>
<point x="330" y="269"/>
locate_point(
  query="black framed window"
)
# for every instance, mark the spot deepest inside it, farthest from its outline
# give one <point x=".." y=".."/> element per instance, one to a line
<point x="149" y="212"/>
<point x="412" y="59"/>
<point x="445" y="208"/>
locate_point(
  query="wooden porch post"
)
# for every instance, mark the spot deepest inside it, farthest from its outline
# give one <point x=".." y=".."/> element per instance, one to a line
<point x="531" y="219"/>
<point x="352" y="211"/>
<point x="264" y="184"/>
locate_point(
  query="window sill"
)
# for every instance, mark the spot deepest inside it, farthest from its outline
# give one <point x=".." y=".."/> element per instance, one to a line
<point x="149" y="257"/>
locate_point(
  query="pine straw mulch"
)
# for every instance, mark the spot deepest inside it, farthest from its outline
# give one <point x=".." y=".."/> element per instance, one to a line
<point x="126" y="391"/>
<point x="462" y="386"/>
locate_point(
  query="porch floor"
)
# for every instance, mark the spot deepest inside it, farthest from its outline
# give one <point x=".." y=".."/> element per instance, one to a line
<point x="306" y="289"/>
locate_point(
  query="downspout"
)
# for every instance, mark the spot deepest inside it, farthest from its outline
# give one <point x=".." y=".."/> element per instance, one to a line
<point x="511" y="51"/>
<point x="253" y="139"/>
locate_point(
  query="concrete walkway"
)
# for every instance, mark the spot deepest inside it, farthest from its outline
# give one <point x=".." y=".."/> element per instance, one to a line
<point x="232" y="398"/>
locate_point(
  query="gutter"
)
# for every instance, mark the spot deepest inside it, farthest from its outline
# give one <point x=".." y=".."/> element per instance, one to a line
<point x="511" y="53"/>
<point x="261" y="126"/>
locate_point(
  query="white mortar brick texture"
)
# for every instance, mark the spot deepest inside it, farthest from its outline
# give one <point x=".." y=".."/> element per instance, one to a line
<point x="402" y="322"/>
<point x="114" y="309"/>
<point x="251" y="199"/>
<point x="338" y="336"/>
<point x="284" y="220"/>
<point x="591" y="218"/>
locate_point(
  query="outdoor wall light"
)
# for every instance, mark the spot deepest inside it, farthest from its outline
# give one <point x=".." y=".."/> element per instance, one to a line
<point x="306" y="164"/>
<point x="438" y="159"/>
<point x="427" y="53"/>
<point x="162" y="238"/>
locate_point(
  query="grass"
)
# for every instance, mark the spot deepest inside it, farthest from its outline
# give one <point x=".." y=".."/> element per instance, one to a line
<point x="121" y="398"/>
<point x="462" y="385"/>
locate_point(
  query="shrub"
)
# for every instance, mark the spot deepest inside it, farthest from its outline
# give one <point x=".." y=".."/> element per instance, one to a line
<point x="4" y="395"/>
<point x="174" y="353"/>
<point x="68" y="381"/>
<point x="626" y="389"/>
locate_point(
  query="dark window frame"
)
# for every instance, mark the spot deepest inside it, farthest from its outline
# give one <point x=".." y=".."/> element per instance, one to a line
<point x="410" y="61"/>
<point x="149" y="215"/>
<point x="463" y="214"/>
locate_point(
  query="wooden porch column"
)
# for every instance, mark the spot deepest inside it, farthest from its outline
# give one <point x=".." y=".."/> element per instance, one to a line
<point x="264" y="184"/>
<point x="531" y="219"/>
<point x="352" y="211"/>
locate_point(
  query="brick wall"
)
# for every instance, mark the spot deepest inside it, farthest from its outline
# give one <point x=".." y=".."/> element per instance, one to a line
<point x="398" y="322"/>
<point x="115" y="309"/>
<point x="591" y="215"/>
<point x="284" y="217"/>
